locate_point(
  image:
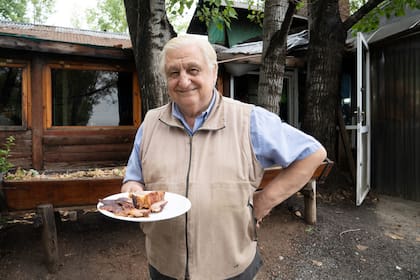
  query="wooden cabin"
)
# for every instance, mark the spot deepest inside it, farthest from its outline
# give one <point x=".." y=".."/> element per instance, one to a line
<point x="70" y="97"/>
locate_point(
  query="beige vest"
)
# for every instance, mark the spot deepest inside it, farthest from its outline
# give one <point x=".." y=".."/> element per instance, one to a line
<point x="217" y="170"/>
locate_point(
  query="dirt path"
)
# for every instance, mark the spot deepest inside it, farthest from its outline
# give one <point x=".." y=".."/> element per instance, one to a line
<point x="379" y="240"/>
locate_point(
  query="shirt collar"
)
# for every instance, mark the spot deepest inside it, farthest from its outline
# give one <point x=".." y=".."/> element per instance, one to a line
<point x="203" y="116"/>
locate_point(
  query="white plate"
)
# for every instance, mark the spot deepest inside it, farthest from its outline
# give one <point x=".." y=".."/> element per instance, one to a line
<point x="176" y="206"/>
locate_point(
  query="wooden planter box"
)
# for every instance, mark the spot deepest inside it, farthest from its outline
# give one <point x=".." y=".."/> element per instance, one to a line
<point x="28" y="194"/>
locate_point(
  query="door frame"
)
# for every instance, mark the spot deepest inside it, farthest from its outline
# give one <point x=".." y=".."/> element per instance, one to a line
<point x="363" y="120"/>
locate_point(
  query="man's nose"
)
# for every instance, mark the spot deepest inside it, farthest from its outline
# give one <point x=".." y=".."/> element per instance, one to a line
<point x="184" y="79"/>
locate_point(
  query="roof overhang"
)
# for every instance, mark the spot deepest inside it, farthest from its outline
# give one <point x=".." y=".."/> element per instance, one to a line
<point x="402" y="25"/>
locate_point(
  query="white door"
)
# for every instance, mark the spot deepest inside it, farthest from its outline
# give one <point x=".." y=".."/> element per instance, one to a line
<point x="362" y="120"/>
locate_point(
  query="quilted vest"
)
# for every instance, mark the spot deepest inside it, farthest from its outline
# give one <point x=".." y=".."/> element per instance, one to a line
<point x="217" y="170"/>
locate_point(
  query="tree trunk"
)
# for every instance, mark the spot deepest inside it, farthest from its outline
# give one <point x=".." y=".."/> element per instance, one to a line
<point x="277" y="19"/>
<point x="325" y="54"/>
<point x="149" y="31"/>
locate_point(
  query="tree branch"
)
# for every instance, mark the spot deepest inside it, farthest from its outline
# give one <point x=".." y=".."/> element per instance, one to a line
<point x="360" y="13"/>
<point x="281" y="35"/>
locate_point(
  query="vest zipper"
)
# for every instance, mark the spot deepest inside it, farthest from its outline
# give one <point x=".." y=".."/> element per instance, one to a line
<point x="186" y="214"/>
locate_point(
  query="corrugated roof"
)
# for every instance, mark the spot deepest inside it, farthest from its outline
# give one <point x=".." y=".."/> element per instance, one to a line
<point x="398" y="25"/>
<point x="388" y="28"/>
<point x="294" y="41"/>
<point x="65" y="34"/>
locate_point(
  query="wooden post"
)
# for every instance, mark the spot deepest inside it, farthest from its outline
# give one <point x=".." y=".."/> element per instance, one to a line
<point x="309" y="192"/>
<point x="49" y="236"/>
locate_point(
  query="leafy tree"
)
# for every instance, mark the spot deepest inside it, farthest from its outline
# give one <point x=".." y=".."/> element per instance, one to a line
<point x="143" y="18"/>
<point x="40" y="10"/>
<point x="13" y="10"/>
<point x="385" y="9"/>
<point x="34" y="11"/>
<point x="109" y="15"/>
<point x="328" y="33"/>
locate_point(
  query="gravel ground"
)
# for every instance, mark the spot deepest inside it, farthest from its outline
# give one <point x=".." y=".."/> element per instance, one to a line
<point x="378" y="240"/>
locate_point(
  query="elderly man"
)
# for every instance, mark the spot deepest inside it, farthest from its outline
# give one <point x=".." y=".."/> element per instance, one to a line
<point x="213" y="150"/>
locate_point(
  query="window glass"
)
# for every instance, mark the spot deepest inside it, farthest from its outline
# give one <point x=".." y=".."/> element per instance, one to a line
<point x="11" y="96"/>
<point x="91" y="98"/>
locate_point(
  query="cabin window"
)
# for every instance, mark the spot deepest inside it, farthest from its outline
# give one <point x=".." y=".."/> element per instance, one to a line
<point x="13" y="94"/>
<point x="85" y="96"/>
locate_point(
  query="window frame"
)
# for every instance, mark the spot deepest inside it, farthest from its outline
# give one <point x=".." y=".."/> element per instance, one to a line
<point x="136" y="101"/>
<point x="26" y="94"/>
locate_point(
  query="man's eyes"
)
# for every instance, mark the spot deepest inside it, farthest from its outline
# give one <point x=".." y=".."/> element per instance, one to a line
<point x="173" y="73"/>
<point x="191" y="71"/>
<point x="194" y="71"/>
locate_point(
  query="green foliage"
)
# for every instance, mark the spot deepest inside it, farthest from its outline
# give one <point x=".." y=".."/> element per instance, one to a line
<point x="386" y="9"/>
<point x="34" y="11"/>
<point x="41" y="9"/>
<point x="256" y="12"/>
<point x="177" y="8"/>
<point x="176" y="11"/>
<point x="219" y="12"/>
<point x="22" y="174"/>
<point x="109" y="15"/>
<point x="213" y="11"/>
<point x="13" y="10"/>
<point x="5" y="165"/>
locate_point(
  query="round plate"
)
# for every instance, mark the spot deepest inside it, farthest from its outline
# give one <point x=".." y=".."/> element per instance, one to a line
<point x="176" y="206"/>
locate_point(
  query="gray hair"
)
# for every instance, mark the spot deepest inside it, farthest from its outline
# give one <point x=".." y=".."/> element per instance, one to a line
<point x="203" y="44"/>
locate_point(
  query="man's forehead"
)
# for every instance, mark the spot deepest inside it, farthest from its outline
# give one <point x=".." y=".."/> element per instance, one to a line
<point x="184" y="60"/>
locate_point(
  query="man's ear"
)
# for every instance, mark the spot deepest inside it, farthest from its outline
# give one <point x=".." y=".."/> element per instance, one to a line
<point x="215" y="71"/>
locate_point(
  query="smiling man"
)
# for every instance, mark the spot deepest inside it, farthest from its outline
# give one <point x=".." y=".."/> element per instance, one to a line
<point x="213" y="150"/>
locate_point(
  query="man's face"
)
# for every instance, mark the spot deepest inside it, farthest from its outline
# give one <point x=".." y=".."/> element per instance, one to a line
<point x="190" y="80"/>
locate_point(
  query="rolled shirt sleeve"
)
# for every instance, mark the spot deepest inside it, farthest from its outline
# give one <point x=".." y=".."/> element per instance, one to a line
<point x="276" y="142"/>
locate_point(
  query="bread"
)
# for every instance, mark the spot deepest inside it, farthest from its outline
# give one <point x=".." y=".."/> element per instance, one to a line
<point x="145" y="199"/>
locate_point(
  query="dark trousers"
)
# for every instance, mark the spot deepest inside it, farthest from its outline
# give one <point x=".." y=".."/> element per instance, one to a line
<point x="248" y="274"/>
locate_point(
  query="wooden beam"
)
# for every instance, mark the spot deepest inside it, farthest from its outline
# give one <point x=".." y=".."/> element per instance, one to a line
<point x="49" y="236"/>
<point x="320" y="174"/>
<point x="309" y="193"/>
<point x="45" y="46"/>
<point x="25" y="195"/>
<point x="36" y="108"/>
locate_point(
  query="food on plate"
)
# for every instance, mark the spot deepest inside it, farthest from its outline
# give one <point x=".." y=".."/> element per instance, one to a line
<point x="137" y="205"/>
<point x="145" y="199"/>
<point x="158" y="206"/>
<point x="123" y="206"/>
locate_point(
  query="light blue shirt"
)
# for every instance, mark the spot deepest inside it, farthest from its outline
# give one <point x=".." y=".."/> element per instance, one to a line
<point x="274" y="141"/>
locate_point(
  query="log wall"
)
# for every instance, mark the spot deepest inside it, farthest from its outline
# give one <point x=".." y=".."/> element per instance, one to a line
<point x="87" y="149"/>
<point x="42" y="147"/>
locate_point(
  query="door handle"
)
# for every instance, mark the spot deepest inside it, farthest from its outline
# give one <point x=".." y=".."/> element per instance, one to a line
<point x="360" y="115"/>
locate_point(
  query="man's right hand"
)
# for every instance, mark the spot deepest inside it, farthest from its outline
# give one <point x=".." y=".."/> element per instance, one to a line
<point x="132" y="186"/>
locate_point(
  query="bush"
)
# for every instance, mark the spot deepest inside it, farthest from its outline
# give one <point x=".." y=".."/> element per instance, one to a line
<point x="5" y="164"/>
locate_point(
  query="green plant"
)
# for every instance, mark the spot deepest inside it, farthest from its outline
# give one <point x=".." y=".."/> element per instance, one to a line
<point x="5" y="164"/>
